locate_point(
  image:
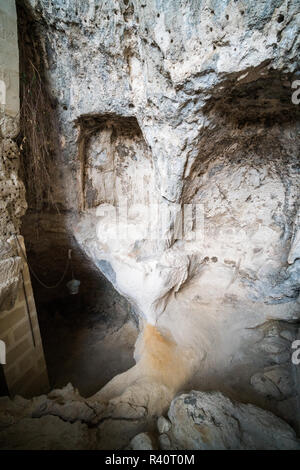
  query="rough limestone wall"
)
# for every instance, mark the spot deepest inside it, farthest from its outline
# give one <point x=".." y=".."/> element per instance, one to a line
<point x="12" y="191"/>
<point x="186" y="102"/>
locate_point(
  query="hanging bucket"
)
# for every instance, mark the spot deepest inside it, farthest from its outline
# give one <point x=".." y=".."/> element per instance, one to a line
<point x="73" y="286"/>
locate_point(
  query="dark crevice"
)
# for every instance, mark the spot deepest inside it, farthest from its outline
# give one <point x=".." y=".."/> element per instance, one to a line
<point x="245" y="100"/>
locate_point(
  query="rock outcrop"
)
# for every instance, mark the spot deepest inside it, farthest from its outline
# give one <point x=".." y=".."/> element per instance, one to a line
<point x="210" y="421"/>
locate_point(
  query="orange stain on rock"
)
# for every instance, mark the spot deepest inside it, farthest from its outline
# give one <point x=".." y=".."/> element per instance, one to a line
<point x="162" y="358"/>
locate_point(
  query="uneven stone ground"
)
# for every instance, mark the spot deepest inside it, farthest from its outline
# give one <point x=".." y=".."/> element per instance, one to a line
<point x="196" y="420"/>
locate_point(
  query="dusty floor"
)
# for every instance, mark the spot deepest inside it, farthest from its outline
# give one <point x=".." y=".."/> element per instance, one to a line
<point x="84" y="347"/>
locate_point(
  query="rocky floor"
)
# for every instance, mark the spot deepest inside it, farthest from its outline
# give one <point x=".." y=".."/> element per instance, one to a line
<point x="196" y="420"/>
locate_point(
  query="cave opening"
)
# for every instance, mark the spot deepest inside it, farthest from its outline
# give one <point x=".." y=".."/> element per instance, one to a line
<point x="88" y="337"/>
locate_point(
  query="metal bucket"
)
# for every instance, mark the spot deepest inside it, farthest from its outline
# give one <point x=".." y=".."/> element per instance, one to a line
<point x="73" y="286"/>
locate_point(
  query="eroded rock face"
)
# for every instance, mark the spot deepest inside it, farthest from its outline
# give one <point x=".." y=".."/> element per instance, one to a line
<point x="210" y="421"/>
<point x="175" y="103"/>
<point x="13" y="207"/>
<point x="12" y="191"/>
